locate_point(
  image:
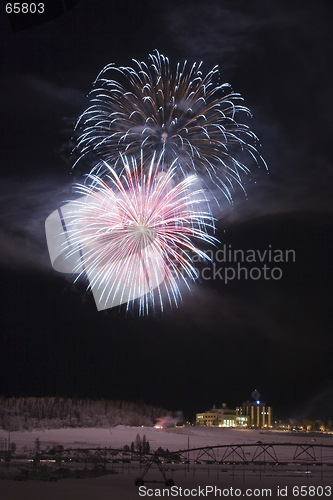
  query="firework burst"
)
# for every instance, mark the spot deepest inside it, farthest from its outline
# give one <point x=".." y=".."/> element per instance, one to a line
<point x="187" y="115"/>
<point x="134" y="231"/>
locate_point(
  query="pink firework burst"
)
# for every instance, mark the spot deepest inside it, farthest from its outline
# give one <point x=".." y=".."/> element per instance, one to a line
<point x="135" y="233"/>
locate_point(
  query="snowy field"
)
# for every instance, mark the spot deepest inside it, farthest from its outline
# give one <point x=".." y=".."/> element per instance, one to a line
<point x="172" y="438"/>
<point x="120" y="486"/>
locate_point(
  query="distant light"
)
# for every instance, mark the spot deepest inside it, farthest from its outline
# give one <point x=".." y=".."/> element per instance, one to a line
<point x="258" y="402"/>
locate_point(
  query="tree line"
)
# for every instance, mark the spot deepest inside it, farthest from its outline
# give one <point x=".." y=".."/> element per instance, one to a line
<point x="30" y="413"/>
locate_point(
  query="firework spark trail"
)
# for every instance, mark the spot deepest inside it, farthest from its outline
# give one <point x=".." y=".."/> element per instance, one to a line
<point x="187" y="115"/>
<point x="135" y="230"/>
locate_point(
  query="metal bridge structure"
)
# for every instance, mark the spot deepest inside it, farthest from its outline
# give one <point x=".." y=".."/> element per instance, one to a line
<point x="280" y="455"/>
<point x="229" y="453"/>
<point x="261" y="453"/>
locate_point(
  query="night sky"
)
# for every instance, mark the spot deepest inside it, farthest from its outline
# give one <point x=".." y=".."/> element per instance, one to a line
<point x="225" y="340"/>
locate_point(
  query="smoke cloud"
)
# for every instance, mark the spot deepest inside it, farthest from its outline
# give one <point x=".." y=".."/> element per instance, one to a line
<point x="26" y="205"/>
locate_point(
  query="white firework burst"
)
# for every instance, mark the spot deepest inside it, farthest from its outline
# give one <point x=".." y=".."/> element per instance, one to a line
<point x="187" y="115"/>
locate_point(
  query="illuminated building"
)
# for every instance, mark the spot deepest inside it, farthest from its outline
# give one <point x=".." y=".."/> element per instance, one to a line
<point x="218" y="417"/>
<point x="258" y="414"/>
<point x="250" y="414"/>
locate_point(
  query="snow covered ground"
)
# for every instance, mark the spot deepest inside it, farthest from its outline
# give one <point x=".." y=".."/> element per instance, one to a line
<point x="120" y="486"/>
<point x="171" y="438"/>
